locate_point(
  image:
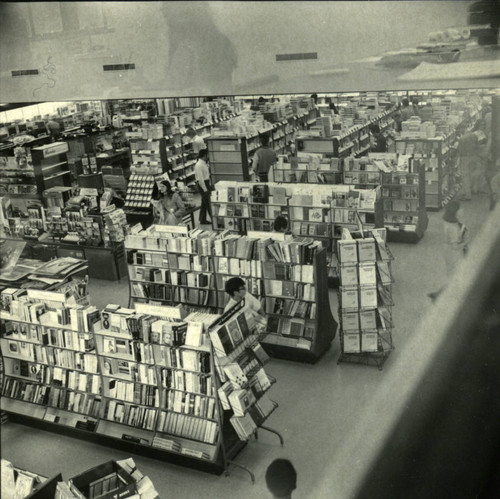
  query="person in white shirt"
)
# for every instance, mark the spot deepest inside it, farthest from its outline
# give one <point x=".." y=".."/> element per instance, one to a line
<point x="202" y="176"/>
<point x="197" y="139"/>
<point x="237" y="291"/>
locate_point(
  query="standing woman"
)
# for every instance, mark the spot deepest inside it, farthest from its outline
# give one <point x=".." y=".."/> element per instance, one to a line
<point x="456" y="234"/>
<point x="170" y="206"/>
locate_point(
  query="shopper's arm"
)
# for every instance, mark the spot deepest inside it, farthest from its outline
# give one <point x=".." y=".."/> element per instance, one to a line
<point x="180" y="208"/>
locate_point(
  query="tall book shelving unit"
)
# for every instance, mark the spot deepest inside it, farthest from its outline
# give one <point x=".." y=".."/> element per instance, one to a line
<point x="353" y="141"/>
<point x="143" y="380"/>
<point x="50" y="165"/>
<point x="230" y="156"/>
<point x="300" y="324"/>
<point x="365" y="298"/>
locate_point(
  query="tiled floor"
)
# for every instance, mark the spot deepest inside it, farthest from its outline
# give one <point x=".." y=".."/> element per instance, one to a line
<point x="319" y="404"/>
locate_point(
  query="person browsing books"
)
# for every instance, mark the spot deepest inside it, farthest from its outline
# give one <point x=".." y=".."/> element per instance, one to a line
<point x="197" y="140"/>
<point x="202" y="176"/>
<point x="237" y="291"/>
<point x="380" y="143"/>
<point x="170" y="206"/>
<point x="263" y="159"/>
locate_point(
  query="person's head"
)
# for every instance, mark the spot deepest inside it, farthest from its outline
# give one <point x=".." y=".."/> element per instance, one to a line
<point x="203" y="154"/>
<point x="191" y="132"/>
<point x="264" y="140"/>
<point x="166" y="188"/>
<point x="236" y="288"/>
<point x="262" y="100"/>
<point x="280" y="224"/>
<point x="314" y="97"/>
<point x="414" y="101"/>
<point x="281" y="478"/>
<point x="452" y="211"/>
<point x="405" y="102"/>
<point x="375" y="129"/>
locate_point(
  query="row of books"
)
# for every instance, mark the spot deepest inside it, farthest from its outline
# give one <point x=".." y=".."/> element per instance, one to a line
<point x="196" y="263"/>
<point x="159" y="275"/>
<point x="286" y="272"/>
<point x="247" y="424"/>
<point x="370" y="296"/>
<point x="68" y="400"/>
<point x="368" y="273"/>
<point x="403" y="220"/>
<point x="368" y="249"/>
<point x="63" y="338"/>
<point x="191" y="382"/>
<point x="132" y="415"/>
<point x="191" y="403"/>
<point x="136" y="257"/>
<point x="56" y="376"/>
<point x="290" y="289"/>
<point x="175" y="446"/>
<point x="287" y="326"/>
<point x="66" y="359"/>
<point x="291" y="308"/>
<point x="136" y="393"/>
<point x="187" y="359"/>
<point x="130" y="371"/>
<point x="365" y="320"/>
<point x="400" y="205"/>
<point x="153" y="291"/>
<point x="186" y="426"/>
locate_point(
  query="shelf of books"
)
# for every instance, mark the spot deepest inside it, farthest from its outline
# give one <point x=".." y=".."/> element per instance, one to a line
<point x="301" y="326"/>
<point x="143" y="380"/>
<point x="318" y="211"/>
<point x="403" y="198"/>
<point x="307" y="169"/>
<point x="435" y="155"/>
<point x="354" y="140"/>
<point x="365" y="297"/>
<point x="242" y="382"/>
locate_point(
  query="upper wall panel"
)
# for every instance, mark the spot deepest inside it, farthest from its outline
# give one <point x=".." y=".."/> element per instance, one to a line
<point x="105" y="50"/>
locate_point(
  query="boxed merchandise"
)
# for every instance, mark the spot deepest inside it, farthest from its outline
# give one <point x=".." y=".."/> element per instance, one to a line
<point x="367" y="273"/>
<point x="352" y="343"/>
<point x="347" y="251"/>
<point x="369" y="341"/>
<point x="349" y="275"/>
<point x="366" y="250"/>
<point x="368" y="297"/>
<point x="349" y="297"/>
<point x="367" y="319"/>
<point x="350" y="321"/>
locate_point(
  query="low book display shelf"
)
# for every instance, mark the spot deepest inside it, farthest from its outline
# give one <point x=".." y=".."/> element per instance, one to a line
<point x="141" y="380"/>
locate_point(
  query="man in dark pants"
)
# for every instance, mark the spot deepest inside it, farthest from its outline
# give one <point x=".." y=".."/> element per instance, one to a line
<point x="202" y="176"/>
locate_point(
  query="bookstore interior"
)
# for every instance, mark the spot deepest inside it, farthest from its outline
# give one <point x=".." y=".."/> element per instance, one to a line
<point x="211" y="285"/>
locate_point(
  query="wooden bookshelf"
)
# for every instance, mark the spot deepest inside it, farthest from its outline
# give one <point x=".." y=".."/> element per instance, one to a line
<point x="365" y="298"/>
<point x="50" y="164"/>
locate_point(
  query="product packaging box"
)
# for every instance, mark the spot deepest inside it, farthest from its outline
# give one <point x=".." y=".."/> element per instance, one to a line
<point x="369" y="341"/>
<point x="368" y="297"/>
<point x="366" y="250"/>
<point x="349" y="275"/>
<point x="347" y="251"/>
<point x="367" y="274"/>
<point x="350" y="321"/>
<point x="349" y="298"/>
<point x="367" y="320"/>
<point x="352" y="343"/>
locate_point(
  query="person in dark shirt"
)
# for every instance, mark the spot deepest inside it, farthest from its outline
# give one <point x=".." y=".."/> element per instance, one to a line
<point x="380" y="143"/>
<point x="263" y="159"/>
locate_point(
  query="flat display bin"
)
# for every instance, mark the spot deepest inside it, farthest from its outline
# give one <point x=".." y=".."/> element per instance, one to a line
<point x="106" y="481"/>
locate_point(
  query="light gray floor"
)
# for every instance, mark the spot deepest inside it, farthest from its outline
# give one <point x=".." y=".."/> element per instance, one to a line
<point x="319" y="403"/>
